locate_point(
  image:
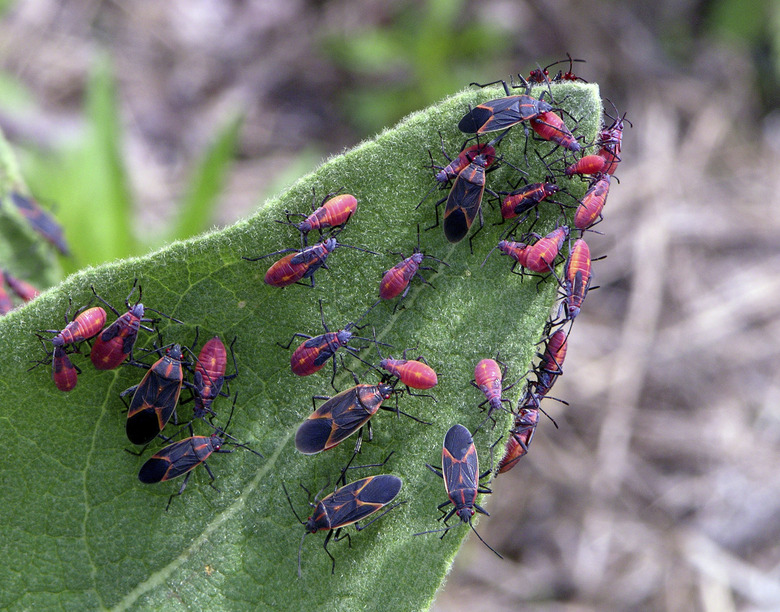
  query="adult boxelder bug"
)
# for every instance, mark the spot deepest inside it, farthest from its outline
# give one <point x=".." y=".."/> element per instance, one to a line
<point x="41" y="221"/>
<point x="341" y="416"/>
<point x="549" y="126"/>
<point x="85" y="325"/>
<point x="313" y="353"/>
<point x="184" y="456"/>
<point x="589" y="211"/>
<point x="346" y="506"/>
<point x="503" y="113"/>
<point x="301" y="263"/>
<point x="577" y="278"/>
<point x="395" y="281"/>
<point x="115" y="343"/>
<point x="155" y="397"/>
<point x="23" y="289"/>
<point x="334" y="211"/>
<point x="464" y="201"/>
<point x="460" y="471"/>
<point x="464" y="158"/>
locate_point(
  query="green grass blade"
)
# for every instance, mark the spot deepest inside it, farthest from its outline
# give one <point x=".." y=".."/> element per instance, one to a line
<point x="197" y="210"/>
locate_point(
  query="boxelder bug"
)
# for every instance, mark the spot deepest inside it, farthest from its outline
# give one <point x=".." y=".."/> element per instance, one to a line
<point x="549" y="126"/>
<point x="577" y="278"/>
<point x="115" y="343"/>
<point x="460" y="471"/>
<point x="464" y="158"/>
<point x="155" y="397"/>
<point x="540" y="256"/>
<point x="184" y="456"/>
<point x="23" y="289"/>
<point x="85" y="325"/>
<point x="313" y="353"/>
<point x="334" y="211"/>
<point x="395" y="281"/>
<point x="610" y="141"/>
<point x="524" y="199"/>
<point x="346" y="506"/>
<point x="210" y="375"/>
<point x="464" y="201"/>
<point x="520" y="438"/>
<point x="541" y="76"/>
<point x="589" y="210"/>
<point x="488" y="377"/>
<point x="503" y="113"/>
<point x="410" y="372"/>
<point x="41" y="221"/>
<point x="63" y="372"/>
<point x="551" y="365"/>
<point x="588" y="164"/>
<point x="301" y="263"/>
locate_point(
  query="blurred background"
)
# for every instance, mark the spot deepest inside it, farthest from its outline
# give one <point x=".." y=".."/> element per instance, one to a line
<point x="143" y="122"/>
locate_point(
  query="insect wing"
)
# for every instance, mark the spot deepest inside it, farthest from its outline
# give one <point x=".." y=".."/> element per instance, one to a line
<point x="360" y="499"/>
<point x="153" y="402"/>
<point x="176" y="459"/>
<point x="460" y="465"/>
<point x="337" y="419"/>
<point x="463" y="204"/>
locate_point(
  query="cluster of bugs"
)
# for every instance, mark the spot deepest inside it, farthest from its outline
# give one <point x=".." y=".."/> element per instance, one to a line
<point x="561" y="254"/>
<point x="154" y="399"/>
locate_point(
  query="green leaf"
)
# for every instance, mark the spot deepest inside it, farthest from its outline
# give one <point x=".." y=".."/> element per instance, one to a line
<point x="201" y="200"/>
<point x="80" y="531"/>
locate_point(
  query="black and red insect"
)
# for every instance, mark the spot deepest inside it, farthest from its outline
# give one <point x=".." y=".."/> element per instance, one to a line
<point x="526" y="420"/>
<point x="41" y="221"/>
<point x="551" y="364"/>
<point x="21" y="288"/>
<point x="313" y="353"/>
<point x="63" y="371"/>
<point x="346" y="506"/>
<point x="464" y="158"/>
<point x="460" y="471"/>
<point x="333" y="212"/>
<point x="588" y="164"/>
<point x="549" y="126"/>
<point x="464" y="202"/>
<point x="541" y="76"/>
<point x="395" y="281"/>
<point x="115" y="343"/>
<point x="85" y="325"/>
<point x="301" y="263"/>
<point x="155" y="397"/>
<point x="503" y="113"/>
<point x="588" y="212"/>
<point x="182" y="457"/>
<point x="488" y="378"/>
<point x="524" y="199"/>
<point x="577" y="278"/>
<point x="414" y="373"/>
<point x="210" y="375"/>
